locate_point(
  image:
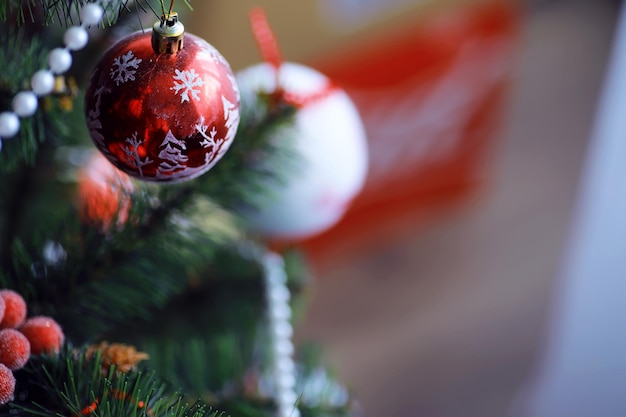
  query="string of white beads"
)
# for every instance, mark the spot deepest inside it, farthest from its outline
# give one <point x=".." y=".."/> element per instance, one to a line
<point x="25" y="103"/>
<point x="279" y="316"/>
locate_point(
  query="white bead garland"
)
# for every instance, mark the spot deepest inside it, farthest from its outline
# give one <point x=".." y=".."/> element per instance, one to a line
<point x="91" y="14"/>
<point x="25" y="103"/>
<point x="9" y="124"/>
<point x="42" y="82"/>
<point x="284" y="348"/>
<point x="59" y="60"/>
<point x="277" y="295"/>
<point x="76" y="38"/>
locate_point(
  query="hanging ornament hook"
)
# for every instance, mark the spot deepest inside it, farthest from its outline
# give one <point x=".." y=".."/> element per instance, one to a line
<point x="163" y="12"/>
<point x="168" y="32"/>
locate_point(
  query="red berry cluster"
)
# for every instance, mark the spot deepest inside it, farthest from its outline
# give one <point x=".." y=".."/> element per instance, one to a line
<point x="19" y="337"/>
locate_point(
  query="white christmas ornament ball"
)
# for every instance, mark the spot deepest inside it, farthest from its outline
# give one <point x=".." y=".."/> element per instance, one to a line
<point x="331" y="144"/>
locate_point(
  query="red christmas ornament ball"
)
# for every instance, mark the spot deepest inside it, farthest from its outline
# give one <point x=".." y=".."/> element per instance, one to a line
<point x="15" y="309"/>
<point x="44" y="334"/>
<point x="104" y="193"/>
<point x="7" y="384"/>
<point x="14" y="349"/>
<point x="158" y="116"/>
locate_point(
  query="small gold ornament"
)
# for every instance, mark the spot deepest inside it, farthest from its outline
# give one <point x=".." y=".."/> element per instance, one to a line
<point x="64" y="93"/>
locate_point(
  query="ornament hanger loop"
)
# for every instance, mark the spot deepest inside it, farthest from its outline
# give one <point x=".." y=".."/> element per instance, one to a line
<point x="165" y="15"/>
<point x="265" y="38"/>
<point x="270" y="53"/>
<point x="168" y="32"/>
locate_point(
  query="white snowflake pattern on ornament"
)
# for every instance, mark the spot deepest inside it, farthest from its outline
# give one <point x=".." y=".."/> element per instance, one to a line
<point x="93" y="116"/>
<point x="233" y="83"/>
<point x="217" y="57"/>
<point x="123" y="65"/>
<point x="188" y="80"/>
<point x="132" y="152"/>
<point x="172" y="154"/>
<point x="210" y="139"/>
<point x="231" y="116"/>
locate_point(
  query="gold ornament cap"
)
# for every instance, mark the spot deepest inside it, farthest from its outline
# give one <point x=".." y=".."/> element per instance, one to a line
<point x="168" y="34"/>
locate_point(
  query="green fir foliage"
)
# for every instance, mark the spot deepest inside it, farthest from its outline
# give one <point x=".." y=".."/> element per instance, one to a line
<point x="20" y="57"/>
<point x="77" y="383"/>
<point x="65" y="12"/>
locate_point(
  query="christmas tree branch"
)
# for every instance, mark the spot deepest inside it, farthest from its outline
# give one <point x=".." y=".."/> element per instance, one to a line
<point x="153" y="246"/>
<point x="20" y="56"/>
<point x="65" y="12"/>
<point x="255" y="158"/>
<point x="252" y="161"/>
<point x="77" y="382"/>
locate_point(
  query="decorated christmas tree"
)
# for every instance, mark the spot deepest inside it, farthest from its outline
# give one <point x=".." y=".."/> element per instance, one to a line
<point x="142" y="179"/>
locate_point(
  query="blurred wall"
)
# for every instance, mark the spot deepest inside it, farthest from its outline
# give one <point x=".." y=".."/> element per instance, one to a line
<point x="306" y="29"/>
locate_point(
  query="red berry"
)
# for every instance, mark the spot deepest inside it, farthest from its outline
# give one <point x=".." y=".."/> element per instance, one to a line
<point x="3" y="306"/>
<point x="7" y="384"/>
<point x="44" y="334"/>
<point x="14" y="349"/>
<point x="15" y="310"/>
